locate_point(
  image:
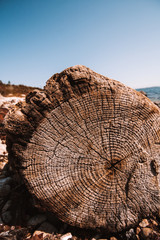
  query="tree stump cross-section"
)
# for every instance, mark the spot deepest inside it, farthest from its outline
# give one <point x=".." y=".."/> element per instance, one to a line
<point x="88" y="148"/>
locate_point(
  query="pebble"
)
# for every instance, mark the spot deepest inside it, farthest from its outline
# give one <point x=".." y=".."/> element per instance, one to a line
<point x="41" y="233"/>
<point x="144" y="223"/>
<point x="1" y="228"/>
<point x="106" y="239"/>
<point x="76" y="238"/>
<point x="66" y="236"/>
<point x="147" y="231"/>
<point x="138" y="230"/>
<point x="97" y="236"/>
<point x="137" y="237"/>
<point x="154" y="222"/>
<point x="130" y="235"/>
<point x="1" y="221"/>
<point x="36" y="220"/>
<point x="13" y="227"/>
<point x="6" y="235"/>
<point x="6" y="228"/>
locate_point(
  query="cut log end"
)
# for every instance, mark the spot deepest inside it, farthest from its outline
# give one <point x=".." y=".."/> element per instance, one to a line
<point x="88" y="148"/>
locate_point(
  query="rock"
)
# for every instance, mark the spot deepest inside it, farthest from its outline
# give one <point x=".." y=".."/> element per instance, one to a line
<point x="36" y="220"/>
<point x="154" y="222"/>
<point x="2" y="174"/>
<point x="6" y="228"/>
<point x="41" y="234"/>
<point x="5" y="187"/>
<point x="130" y="235"/>
<point x="157" y="103"/>
<point x="66" y="236"/>
<point x="47" y="227"/>
<point x="146" y="232"/>
<point x="113" y="238"/>
<point x="102" y="239"/>
<point x="54" y="220"/>
<point x="1" y="203"/>
<point x="138" y="230"/>
<point x="1" y="221"/>
<point x="5" y="190"/>
<point x="6" y="213"/>
<point x="63" y="228"/>
<point x="144" y="93"/>
<point x="17" y="234"/>
<point x="97" y="236"/>
<point x="144" y="223"/>
<point x="6" y="206"/>
<point x="5" y="181"/>
<point x="13" y="227"/>
<point x="7" y="236"/>
<point x="75" y="238"/>
<point x="1" y="227"/>
<point x="6" y="217"/>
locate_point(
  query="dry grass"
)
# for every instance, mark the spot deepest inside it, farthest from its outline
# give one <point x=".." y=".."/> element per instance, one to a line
<point x="14" y="90"/>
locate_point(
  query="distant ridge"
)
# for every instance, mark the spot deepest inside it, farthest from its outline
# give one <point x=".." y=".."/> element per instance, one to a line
<point x="153" y="93"/>
<point x="7" y="90"/>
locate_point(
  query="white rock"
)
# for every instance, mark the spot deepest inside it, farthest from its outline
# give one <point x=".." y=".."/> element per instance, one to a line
<point x="66" y="236"/>
<point x="8" y="102"/>
<point x="3" y="150"/>
<point x="41" y="232"/>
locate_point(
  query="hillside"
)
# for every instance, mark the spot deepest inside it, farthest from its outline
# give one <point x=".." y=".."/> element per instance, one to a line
<point x="152" y="92"/>
<point x="7" y="90"/>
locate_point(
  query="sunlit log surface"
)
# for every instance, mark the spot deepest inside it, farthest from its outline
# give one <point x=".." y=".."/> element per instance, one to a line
<point x="88" y="147"/>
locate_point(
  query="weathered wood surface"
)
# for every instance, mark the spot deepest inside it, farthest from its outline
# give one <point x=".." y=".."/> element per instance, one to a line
<point x="88" y="147"/>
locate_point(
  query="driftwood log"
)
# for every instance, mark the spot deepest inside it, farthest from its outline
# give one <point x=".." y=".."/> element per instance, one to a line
<point x="88" y="148"/>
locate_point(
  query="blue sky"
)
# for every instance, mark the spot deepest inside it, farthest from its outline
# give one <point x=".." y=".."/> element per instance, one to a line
<point x="117" y="38"/>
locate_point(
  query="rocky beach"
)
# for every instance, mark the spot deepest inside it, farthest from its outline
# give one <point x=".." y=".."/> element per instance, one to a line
<point x="34" y="224"/>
